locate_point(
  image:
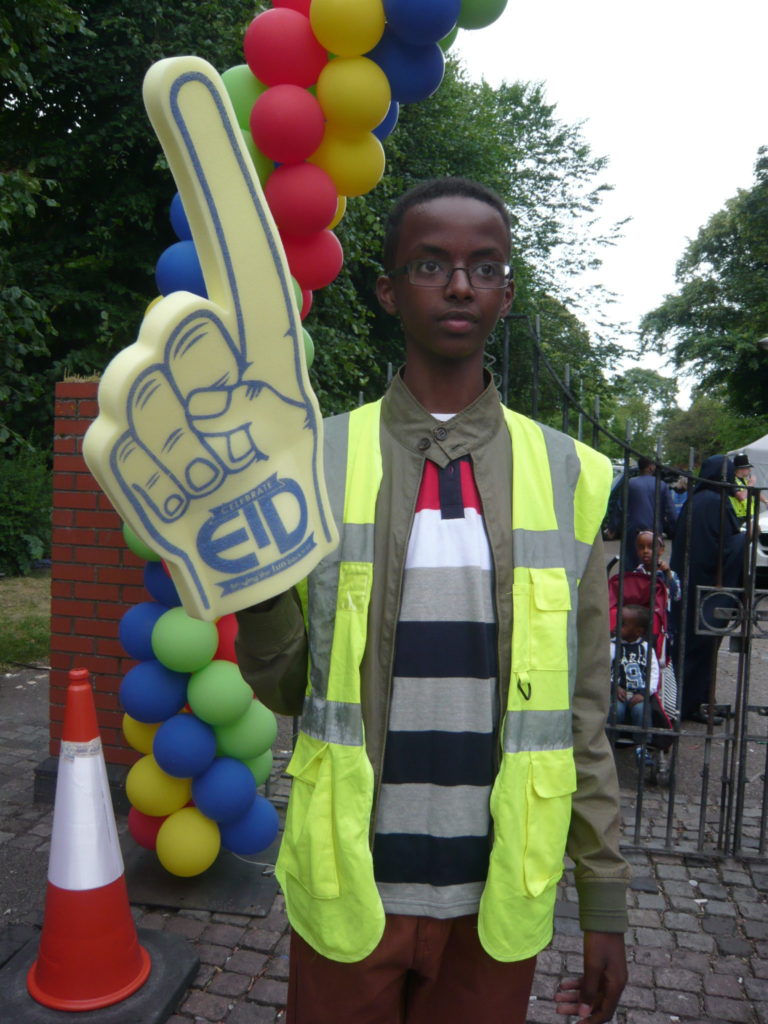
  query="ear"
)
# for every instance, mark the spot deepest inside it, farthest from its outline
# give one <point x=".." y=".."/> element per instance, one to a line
<point x="509" y="295"/>
<point x="385" y="293"/>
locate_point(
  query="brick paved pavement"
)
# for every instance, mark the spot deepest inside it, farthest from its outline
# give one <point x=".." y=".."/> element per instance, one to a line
<point x="698" y="941"/>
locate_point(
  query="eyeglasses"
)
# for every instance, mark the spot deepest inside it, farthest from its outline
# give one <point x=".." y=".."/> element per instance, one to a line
<point x="437" y="273"/>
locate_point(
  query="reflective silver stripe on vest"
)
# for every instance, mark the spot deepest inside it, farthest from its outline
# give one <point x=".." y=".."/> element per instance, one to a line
<point x="355" y="545"/>
<point x="545" y="550"/>
<point x="537" y="730"/>
<point x="332" y="721"/>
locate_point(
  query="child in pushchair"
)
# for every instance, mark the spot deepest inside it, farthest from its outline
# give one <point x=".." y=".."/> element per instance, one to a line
<point x="632" y="681"/>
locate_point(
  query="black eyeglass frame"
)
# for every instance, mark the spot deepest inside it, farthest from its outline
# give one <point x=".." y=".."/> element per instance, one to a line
<point x="405" y="270"/>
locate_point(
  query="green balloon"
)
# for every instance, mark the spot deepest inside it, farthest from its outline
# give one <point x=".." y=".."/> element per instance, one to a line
<point x="479" y="13"/>
<point x="138" y="547"/>
<point x="260" y="767"/>
<point x="309" y="347"/>
<point x="182" y="643"/>
<point x="447" y="41"/>
<point x="218" y="694"/>
<point x="243" y="88"/>
<point x="264" y="166"/>
<point x="248" y="736"/>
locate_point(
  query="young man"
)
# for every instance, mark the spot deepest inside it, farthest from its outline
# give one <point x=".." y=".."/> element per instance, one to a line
<point x="446" y="757"/>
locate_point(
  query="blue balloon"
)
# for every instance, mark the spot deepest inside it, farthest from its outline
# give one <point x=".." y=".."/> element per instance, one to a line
<point x="254" y="831"/>
<point x="419" y="22"/>
<point x="179" y="221"/>
<point x="414" y="72"/>
<point x="150" y="692"/>
<point x="184" y="746"/>
<point x="135" y="629"/>
<point x="225" y="790"/>
<point x="161" y="587"/>
<point x="178" y="270"/>
<point x="387" y="126"/>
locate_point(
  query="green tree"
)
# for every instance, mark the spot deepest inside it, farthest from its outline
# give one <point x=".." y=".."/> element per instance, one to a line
<point x="712" y="324"/>
<point x="84" y="209"/>
<point x="89" y="193"/>
<point x="709" y="427"/>
<point x="640" y="402"/>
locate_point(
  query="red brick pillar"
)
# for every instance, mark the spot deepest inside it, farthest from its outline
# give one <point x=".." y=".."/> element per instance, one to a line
<point x="94" y="577"/>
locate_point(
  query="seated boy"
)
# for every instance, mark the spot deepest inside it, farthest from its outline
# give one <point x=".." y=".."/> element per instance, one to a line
<point x="448" y="749"/>
<point x="629" y="671"/>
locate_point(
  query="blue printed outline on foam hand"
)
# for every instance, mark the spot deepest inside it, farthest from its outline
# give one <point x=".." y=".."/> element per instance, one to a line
<point x="197" y="76"/>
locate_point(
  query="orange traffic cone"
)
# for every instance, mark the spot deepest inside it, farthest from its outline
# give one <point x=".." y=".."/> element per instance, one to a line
<point x="89" y="954"/>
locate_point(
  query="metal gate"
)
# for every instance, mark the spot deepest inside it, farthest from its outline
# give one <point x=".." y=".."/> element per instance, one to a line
<point x="708" y="793"/>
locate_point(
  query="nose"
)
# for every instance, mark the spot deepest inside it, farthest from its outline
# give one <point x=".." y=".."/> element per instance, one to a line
<point x="458" y="283"/>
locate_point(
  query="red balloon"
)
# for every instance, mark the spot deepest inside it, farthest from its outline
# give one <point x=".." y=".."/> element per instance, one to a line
<point x="302" y="6"/>
<point x="227" y="630"/>
<point x="314" y="260"/>
<point x="281" y="49"/>
<point x="144" y="828"/>
<point x="287" y="124"/>
<point x="302" y="198"/>
<point x="306" y="303"/>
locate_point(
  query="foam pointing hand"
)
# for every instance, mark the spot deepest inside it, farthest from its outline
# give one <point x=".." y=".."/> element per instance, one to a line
<point x="209" y="439"/>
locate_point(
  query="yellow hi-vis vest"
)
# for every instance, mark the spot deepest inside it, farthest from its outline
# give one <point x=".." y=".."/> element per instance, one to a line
<point x="325" y="866"/>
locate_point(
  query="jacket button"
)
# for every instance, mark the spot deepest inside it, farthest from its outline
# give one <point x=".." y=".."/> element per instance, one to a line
<point x="441" y="433"/>
<point x="423" y="444"/>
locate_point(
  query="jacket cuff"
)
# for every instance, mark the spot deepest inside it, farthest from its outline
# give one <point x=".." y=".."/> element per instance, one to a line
<point x="602" y="906"/>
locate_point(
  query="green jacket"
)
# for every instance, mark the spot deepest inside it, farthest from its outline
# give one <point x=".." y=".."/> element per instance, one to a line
<point x="273" y="653"/>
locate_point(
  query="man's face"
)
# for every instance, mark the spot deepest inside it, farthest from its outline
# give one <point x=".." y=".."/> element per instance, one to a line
<point x="452" y="321"/>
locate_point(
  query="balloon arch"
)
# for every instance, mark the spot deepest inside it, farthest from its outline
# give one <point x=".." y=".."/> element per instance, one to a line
<point x="318" y="94"/>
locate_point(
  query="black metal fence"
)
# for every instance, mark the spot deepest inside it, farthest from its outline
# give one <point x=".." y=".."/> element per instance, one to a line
<point x="697" y="767"/>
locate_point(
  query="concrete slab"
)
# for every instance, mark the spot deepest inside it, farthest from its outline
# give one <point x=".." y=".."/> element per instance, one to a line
<point x="232" y="885"/>
<point x="174" y="966"/>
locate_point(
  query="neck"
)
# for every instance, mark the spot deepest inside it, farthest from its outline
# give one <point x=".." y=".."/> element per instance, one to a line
<point x="450" y="387"/>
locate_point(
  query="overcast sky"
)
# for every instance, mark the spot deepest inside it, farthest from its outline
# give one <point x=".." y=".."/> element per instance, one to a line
<point x="673" y="92"/>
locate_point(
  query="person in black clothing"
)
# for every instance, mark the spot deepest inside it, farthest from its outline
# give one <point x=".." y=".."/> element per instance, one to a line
<point x="716" y="555"/>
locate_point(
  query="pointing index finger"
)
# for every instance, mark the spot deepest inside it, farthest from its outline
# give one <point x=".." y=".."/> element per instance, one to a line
<point x="243" y="263"/>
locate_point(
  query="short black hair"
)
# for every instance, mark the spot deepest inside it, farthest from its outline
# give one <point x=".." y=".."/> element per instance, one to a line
<point x="643" y="462"/>
<point x="437" y="188"/>
<point x="640" y="613"/>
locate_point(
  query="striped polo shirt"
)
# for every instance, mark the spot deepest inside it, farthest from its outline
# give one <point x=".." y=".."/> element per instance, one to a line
<point x="431" y="844"/>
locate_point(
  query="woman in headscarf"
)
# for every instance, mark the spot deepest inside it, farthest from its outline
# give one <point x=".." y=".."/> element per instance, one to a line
<point x="716" y="557"/>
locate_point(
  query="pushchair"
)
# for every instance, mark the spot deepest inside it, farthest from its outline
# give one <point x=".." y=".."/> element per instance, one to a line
<point x="665" y="703"/>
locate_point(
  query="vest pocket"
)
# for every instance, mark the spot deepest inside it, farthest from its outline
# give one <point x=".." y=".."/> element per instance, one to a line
<point x="308" y="850"/>
<point x="548" y="623"/>
<point x="551" y="783"/>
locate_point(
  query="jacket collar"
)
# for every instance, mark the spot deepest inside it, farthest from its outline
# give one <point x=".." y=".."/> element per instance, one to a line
<point x="412" y="426"/>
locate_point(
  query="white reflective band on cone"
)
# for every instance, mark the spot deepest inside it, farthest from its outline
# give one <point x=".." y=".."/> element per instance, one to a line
<point x="85" y="851"/>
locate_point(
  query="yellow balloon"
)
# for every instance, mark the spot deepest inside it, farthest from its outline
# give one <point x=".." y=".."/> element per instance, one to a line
<point x="157" y="298"/>
<point x="354" y="162"/>
<point x="188" y="842"/>
<point x="347" y="27"/>
<point x="140" y="735"/>
<point x="152" y="791"/>
<point x="354" y="94"/>
<point x="341" y="209"/>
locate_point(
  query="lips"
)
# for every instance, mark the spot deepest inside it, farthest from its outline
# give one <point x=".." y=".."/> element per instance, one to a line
<point x="458" y="318"/>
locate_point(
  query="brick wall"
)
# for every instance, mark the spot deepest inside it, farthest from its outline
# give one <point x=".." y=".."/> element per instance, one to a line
<point x="95" y="578"/>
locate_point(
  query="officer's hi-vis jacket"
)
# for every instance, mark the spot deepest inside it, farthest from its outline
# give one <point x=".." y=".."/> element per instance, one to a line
<point x="543" y="499"/>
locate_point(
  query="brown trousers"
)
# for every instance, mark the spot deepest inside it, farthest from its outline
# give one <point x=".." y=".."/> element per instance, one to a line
<point x="423" y="971"/>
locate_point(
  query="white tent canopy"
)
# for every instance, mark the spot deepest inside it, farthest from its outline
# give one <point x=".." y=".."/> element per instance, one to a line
<point x="758" y="456"/>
